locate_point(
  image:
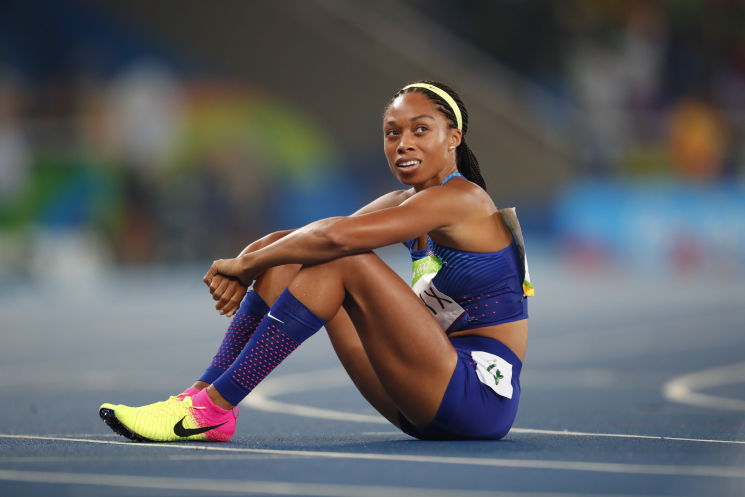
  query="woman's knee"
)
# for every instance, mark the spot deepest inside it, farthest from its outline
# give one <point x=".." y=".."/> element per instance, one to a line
<point x="341" y="266"/>
<point x="352" y="260"/>
<point x="357" y="264"/>
<point x="274" y="281"/>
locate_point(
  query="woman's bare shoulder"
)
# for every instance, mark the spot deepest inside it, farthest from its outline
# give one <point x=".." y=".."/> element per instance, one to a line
<point x="478" y="200"/>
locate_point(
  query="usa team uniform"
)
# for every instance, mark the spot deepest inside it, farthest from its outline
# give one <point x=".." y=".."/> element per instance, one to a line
<point x="465" y="291"/>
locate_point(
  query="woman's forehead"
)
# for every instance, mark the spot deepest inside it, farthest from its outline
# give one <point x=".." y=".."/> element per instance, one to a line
<point x="411" y="104"/>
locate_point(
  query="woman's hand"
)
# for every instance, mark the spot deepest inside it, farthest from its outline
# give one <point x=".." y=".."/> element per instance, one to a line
<point x="229" y="267"/>
<point x="228" y="281"/>
<point x="228" y="292"/>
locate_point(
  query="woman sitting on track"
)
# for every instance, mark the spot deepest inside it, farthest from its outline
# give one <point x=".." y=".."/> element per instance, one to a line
<point x="440" y="362"/>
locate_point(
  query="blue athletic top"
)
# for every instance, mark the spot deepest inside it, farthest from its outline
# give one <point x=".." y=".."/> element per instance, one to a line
<point x="486" y="286"/>
<point x="466" y="290"/>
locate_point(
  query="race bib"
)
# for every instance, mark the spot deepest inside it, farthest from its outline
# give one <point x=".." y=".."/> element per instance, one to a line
<point x="444" y="308"/>
<point x="494" y="372"/>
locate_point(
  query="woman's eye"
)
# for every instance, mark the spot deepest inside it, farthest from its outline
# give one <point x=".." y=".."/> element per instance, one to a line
<point x="420" y="129"/>
<point x="391" y="132"/>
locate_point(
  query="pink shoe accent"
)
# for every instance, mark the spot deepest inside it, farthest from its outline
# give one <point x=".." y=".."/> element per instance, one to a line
<point x="213" y="415"/>
<point x="189" y="392"/>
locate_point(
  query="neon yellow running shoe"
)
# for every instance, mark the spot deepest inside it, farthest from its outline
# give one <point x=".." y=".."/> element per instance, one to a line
<point x="177" y="419"/>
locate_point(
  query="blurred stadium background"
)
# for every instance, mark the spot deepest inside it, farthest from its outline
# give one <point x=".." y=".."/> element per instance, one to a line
<point x="142" y="133"/>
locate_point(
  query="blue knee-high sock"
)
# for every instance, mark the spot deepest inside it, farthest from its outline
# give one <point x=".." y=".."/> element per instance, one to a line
<point x="287" y="324"/>
<point x="242" y="326"/>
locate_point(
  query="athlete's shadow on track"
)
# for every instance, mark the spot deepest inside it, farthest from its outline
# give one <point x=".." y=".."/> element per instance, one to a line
<point x="395" y="444"/>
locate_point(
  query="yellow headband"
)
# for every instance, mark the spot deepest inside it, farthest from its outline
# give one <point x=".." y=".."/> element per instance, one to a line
<point x="444" y="95"/>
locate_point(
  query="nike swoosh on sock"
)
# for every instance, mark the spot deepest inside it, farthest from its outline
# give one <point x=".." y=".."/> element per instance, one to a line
<point x="276" y="319"/>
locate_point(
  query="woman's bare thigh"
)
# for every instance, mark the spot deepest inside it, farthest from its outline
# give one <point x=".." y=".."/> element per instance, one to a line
<point x="408" y="351"/>
<point x="352" y="355"/>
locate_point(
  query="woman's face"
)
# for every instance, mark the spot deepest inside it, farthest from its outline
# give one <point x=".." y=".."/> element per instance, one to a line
<point x="417" y="138"/>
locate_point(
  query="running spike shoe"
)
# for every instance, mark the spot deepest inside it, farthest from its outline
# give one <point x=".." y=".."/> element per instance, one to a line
<point x="177" y="419"/>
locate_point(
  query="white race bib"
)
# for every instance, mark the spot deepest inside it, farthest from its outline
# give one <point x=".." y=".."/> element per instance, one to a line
<point x="445" y="309"/>
<point x="494" y="372"/>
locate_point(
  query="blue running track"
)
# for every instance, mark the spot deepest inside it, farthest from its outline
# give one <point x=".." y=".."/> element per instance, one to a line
<point x="632" y="386"/>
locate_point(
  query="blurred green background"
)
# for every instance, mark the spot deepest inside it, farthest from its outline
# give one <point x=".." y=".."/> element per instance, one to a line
<point x="145" y="134"/>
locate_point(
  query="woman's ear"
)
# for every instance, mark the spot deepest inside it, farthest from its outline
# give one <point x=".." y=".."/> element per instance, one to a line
<point x="456" y="136"/>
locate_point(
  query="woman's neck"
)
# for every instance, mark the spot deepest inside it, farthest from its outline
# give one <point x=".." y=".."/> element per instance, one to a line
<point x="437" y="179"/>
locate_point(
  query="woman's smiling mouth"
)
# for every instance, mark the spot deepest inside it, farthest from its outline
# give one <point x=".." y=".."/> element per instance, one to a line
<point x="408" y="164"/>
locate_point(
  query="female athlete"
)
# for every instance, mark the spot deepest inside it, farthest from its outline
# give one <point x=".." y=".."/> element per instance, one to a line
<point x="440" y="362"/>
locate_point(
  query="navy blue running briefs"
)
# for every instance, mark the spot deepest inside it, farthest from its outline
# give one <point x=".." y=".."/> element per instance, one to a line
<point x="472" y="408"/>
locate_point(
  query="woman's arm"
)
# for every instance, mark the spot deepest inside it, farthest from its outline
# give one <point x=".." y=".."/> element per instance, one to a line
<point x="228" y="291"/>
<point x="264" y="241"/>
<point x="335" y="237"/>
<point x="390" y="199"/>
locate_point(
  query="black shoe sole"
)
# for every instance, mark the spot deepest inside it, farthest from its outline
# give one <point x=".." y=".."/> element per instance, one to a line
<point x="109" y="417"/>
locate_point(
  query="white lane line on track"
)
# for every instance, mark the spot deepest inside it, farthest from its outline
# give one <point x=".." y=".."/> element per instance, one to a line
<point x="324" y="379"/>
<point x="596" y="467"/>
<point x="139" y="458"/>
<point x="685" y="389"/>
<point x="246" y="486"/>
<point x="622" y="435"/>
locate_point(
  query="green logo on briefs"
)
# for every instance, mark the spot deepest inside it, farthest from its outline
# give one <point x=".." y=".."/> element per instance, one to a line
<point x="497" y="376"/>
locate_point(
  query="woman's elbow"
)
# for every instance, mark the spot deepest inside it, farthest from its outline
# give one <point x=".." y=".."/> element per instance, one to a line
<point x="338" y="240"/>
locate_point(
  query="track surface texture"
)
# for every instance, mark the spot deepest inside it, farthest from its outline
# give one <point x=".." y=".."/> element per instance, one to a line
<point x="633" y="385"/>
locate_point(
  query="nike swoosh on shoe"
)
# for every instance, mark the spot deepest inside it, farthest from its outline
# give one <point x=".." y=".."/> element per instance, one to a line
<point x="180" y="431"/>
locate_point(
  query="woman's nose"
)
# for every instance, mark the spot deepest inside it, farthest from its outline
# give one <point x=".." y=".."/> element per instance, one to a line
<point x="404" y="144"/>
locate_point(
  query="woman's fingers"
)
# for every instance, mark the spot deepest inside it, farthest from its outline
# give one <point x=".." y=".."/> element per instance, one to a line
<point x="221" y="293"/>
<point x="237" y="297"/>
<point x="218" y="287"/>
<point x="232" y="308"/>
<point x="227" y="290"/>
<point x="231" y="297"/>
<point x="210" y="274"/>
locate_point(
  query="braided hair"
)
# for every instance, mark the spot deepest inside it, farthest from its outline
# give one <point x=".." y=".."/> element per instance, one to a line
<point x="465" y="160"/>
